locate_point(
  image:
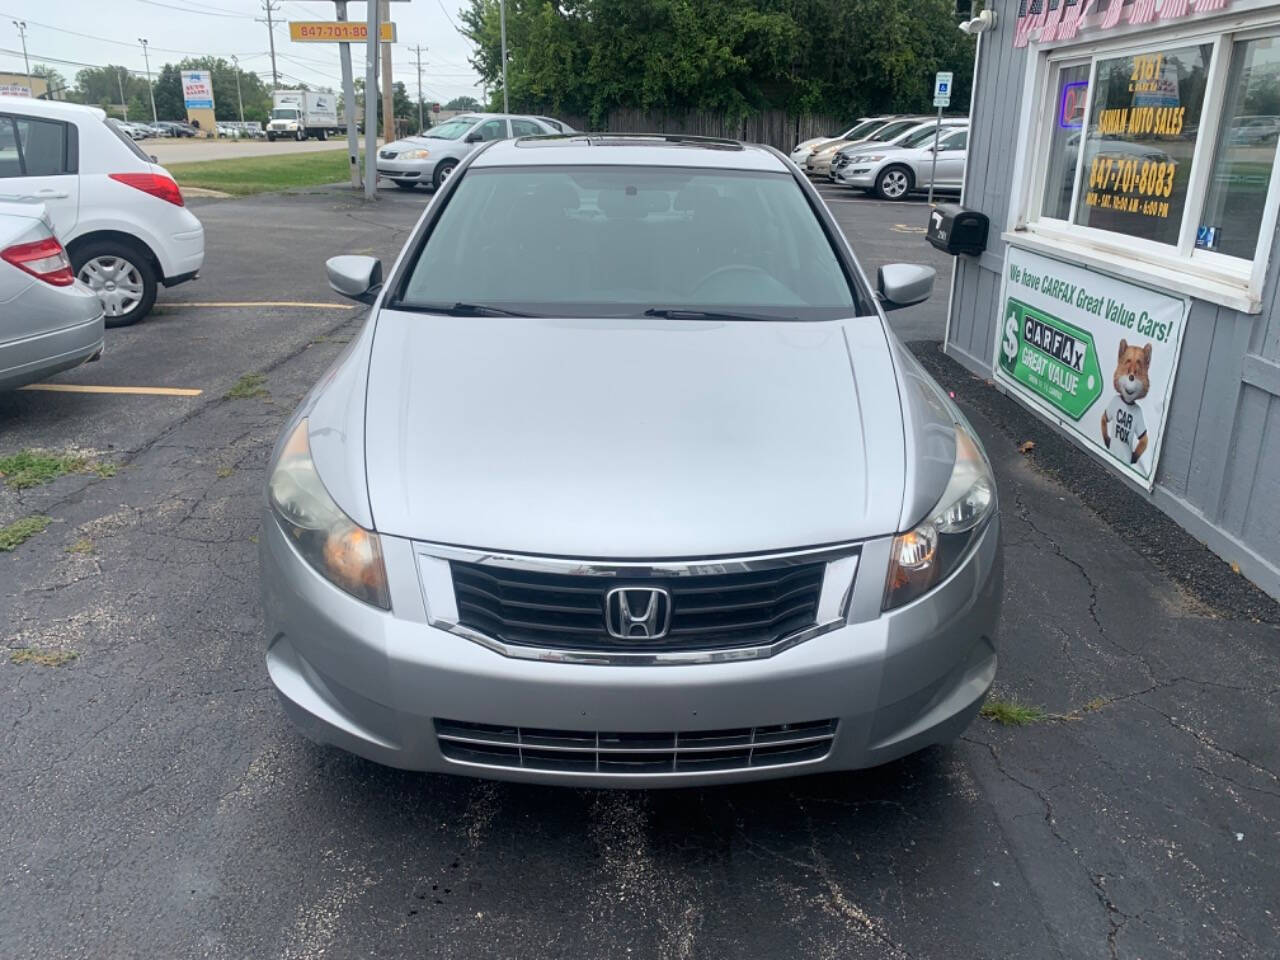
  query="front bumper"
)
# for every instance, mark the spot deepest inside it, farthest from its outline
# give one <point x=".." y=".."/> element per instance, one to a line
<point x="374" y="683"/>
<point x="396" y="169"/>
<point x="861" y="176"/>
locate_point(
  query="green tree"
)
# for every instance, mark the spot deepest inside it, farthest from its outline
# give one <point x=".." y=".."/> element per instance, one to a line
<point x="55" y="81"/>
<point x="170" y="104"/>
<point x="462" y="103"/>
<point x="586" y="57"/>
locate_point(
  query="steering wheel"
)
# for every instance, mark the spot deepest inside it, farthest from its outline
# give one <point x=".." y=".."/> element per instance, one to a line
<point x="729" y="270"/>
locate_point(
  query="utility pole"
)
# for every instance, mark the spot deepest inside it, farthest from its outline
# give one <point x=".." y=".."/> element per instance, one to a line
<point x="388" y="102"/>
<point x="239" y="99"/>
<point x="418" y="50"/>
<point x="151" y="90"/>
<point x="371" y="103"/>
<point x="349" y="101"/>
<point x="123" y="101"/>
<point x="271" y="39"/>
<point x="502" y="19"/>
<point x="22" y="32"/>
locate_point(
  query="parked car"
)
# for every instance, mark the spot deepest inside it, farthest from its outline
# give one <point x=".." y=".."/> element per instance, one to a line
<point x="661" y="502"/>
<point x="818" y="163"/>
<point x="863" y="128"/>
<point x="431" y="156"/>
<point x="892" y="172"/>
<point x="136" y="131"/>
<point x="48" y="321"/>
<point x="120" y="216"/>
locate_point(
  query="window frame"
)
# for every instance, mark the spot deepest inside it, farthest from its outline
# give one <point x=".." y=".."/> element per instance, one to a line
<point x="1230" y="281"/>
<point x="70" y="145"/>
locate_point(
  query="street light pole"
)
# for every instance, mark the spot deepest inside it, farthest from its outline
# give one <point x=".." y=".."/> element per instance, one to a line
<point x="371" y="103"/>
<point x="151" y="90"/>
<point x="22" y="32"/>
<point x="349" y="100"/>
<point x="239" y="99"/>
<point x="502" y="19"/>
<point x="418" y="50"/>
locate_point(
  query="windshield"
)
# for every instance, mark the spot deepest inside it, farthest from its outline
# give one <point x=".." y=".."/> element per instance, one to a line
<point x="891" y="130"/>
<point x="921" y="137"/>
<point x="863" y="129"/>
<point x="451" y="129"/>
<point x="284" y="113"/>
<point x="617" y="241"/>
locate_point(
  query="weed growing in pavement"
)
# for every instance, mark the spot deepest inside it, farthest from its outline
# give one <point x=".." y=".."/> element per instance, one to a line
<point x="22" y="530"/>
<point x="247" y="387"/>
<point x="30" y="468"/>
<point x="224" y="472"/>
<point x="1012" y="713"/>
<point x="42" y="658"/>
<point x="81" y="546"/>
<point x="1097" y="703"/>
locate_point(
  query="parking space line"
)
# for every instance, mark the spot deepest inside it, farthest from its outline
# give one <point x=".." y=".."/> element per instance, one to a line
<point x="259" y="303"/>
<point x="136" y="391"/>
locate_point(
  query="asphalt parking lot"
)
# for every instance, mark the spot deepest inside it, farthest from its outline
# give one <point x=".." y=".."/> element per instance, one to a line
<point x="156" y="803"/>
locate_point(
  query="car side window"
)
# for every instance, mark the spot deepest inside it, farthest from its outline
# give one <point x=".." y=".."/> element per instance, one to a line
<point x="525" y="128"/>
<point x="10" y="160"/>
<point x="957" y="141"/>
<point x="493" y="130"/>
<point x="43" y="146"/>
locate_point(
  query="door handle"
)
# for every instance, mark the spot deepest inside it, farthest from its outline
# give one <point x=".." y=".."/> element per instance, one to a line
<point x="53" y="194"/>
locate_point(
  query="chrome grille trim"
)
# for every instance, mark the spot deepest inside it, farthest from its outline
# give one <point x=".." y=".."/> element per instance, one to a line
<point x="435" y="578"/>
<point x="634" y="754"/>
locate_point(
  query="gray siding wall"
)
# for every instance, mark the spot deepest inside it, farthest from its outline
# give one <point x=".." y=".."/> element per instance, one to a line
<point x="1219" y="472"/>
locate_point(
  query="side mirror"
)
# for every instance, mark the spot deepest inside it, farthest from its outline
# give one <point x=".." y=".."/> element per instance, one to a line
<point x="154" y="158"/>
<point x="359" y="278"/>
<point x="903" y="284"/>
<point x="473" y="138"/>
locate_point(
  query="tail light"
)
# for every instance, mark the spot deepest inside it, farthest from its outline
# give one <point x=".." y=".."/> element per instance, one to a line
<point x="156" y="184"/>
<point x="44" y="259"/>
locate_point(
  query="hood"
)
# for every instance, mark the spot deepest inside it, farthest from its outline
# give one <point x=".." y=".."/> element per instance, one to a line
<point x="632" y="438"/>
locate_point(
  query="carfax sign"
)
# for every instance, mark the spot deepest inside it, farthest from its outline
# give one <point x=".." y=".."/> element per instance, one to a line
<point x="1093" y="353"/>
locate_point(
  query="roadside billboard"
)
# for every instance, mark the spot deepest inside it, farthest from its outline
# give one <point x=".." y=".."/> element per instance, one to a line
<point x="197" y="89"/>
<point x="1093" y="353"/>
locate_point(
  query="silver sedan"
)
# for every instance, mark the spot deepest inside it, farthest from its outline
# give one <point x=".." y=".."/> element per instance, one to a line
<point x="893" y="173"/>
<point x="627" y="482"/>
<point x="49" y="321"/>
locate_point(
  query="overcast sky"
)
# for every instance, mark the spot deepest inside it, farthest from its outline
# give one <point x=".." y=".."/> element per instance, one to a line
<point x="104" y="31"/>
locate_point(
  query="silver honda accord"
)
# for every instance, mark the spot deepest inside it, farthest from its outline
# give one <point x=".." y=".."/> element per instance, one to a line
<point x="627" y="482"/>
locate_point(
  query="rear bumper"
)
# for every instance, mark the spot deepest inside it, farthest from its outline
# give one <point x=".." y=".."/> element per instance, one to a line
<point x="36" y="358"/>
<point x="374" y="683"/>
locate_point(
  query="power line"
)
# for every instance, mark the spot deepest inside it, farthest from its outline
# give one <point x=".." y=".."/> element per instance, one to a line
<point x="120" y="43"/>
<point x="203" y="13"/>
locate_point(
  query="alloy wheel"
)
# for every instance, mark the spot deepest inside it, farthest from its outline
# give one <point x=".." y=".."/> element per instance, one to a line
<point x="894" y="184"/>
<point x="116" y="281"/>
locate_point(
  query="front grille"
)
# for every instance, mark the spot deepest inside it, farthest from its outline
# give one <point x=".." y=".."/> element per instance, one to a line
<point x="592" y="751"/>
<point x="567" y="611"/>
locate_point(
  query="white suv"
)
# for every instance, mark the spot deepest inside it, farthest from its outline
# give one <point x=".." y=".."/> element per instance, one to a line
<point x="120" y="216"/>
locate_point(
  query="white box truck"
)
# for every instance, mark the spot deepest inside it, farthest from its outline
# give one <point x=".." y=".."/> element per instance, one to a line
<point x="298" y="114"/>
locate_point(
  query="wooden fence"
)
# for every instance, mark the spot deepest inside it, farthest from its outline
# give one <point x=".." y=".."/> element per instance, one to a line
<point x="774" y="127"/>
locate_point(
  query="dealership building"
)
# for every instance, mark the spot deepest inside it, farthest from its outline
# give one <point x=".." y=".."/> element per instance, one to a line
<point x="1124" y="152"/>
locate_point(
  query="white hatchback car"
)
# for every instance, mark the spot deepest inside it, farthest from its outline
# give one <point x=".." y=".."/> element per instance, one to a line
<point x="120" y="215"/>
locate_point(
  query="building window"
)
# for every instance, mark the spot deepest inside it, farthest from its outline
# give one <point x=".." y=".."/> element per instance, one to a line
<point x="1245" y="153"/>
<point x="1144" y="117"/>
<point x="1164" y="153"/>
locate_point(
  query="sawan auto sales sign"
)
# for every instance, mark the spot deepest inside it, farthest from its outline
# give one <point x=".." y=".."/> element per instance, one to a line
<point x="1092" y="353"/>
<point x="197" y="89"/>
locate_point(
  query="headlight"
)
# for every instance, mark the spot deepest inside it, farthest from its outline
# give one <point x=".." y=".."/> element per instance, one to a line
<point x="415" y="155"/>
<point x="342" y="552"/>
<point x="922" y="558"/>
<point x="863" y="159"/>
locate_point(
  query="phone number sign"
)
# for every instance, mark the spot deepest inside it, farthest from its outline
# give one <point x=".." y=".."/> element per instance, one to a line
<point x="337" y="31"/>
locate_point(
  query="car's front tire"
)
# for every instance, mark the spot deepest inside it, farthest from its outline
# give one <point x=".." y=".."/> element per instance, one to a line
<point x="894" y="183"/>
<point x="271" y="137"/>
<point x="300" y="135"/>
<point x="443" y="171"/>
<point x="122" y="276"/>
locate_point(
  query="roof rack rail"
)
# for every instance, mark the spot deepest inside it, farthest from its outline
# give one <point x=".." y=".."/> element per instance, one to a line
<point x="668" y="137"/>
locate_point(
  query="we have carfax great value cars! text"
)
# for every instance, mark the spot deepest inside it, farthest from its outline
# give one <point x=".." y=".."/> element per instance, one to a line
<point x="647" y="494"/>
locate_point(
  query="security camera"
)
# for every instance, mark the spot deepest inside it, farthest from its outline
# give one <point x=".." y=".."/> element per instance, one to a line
<point x="983" y="22"/>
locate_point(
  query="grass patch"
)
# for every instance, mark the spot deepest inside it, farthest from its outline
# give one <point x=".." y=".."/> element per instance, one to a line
<point x="1012" y="713"/>
<point x="248" y="386"/>
<point x="81" y="546"/>
<point x="224" y="472"/>
<point x="22" y="530"/>
<point x="1097" y="703"/>
<point x="42" y="658"/>
<point x="30" y="468"/>
<point x="245" y="175"/>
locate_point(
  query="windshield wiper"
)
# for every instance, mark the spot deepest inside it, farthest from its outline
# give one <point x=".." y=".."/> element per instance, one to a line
<point x="463" y="309"/>
<point x="682" y="313"/>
